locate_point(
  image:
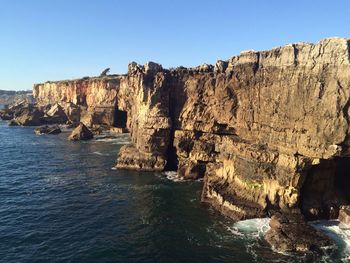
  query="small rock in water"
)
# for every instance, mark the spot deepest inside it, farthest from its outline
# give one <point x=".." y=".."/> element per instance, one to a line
<point x="47" y="130"/>
<point x="81" y="133"/>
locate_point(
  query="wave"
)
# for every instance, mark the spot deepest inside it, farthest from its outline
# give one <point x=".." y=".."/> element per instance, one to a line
<point x="251" y="228"/>
<point x="101" y="154"/>
<point x="115" y="139"/>
<point x="339" y="232"/>
<point x="173" y="176"/>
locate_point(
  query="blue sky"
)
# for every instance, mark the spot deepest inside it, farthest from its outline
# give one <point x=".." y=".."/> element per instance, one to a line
<point x="59" y="39"/>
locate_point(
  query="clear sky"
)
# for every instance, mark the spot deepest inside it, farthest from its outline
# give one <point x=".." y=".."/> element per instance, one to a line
<point x="62" y="39"/>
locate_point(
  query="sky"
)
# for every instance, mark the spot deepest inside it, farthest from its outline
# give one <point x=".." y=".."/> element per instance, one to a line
<point x="44" y="40"/>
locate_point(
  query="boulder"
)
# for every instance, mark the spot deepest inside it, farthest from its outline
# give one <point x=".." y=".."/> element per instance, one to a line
<point x="29" y="116"/>
<point x="81" y="133"/>
<point x="55" y="129"/>
<point x="290" y="233"/>
<point x="55" y="114"/>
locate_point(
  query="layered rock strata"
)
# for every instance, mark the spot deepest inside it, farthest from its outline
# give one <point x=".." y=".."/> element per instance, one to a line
<point x="267" y="130"/>
<point x="92" y="101"/>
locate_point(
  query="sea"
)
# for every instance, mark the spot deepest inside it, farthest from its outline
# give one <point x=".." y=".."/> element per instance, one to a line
<point x="62" y="201"/>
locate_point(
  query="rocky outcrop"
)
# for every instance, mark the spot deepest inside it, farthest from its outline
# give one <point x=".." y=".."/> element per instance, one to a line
<point x="81" y="133"/>
<point x="290" y="233"/>
<point x="54" y="129"/>
<point x="268" y="131"/>
<point x="92" y="101"/>
<point x="29" y="116"/>
<point x="259" y="127"/>
<point x="150" y="120"/>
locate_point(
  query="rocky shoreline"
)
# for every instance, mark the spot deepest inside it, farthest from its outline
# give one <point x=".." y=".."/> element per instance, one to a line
<point x="269" y="131"/>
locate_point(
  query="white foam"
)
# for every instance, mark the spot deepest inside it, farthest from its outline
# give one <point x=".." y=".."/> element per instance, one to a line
<point x="114" y="139"/>
<point x="339" y="232"/>
<point x="251" y="228"/>
<point x="102" y="154"/>
<point x="174" y="176"/>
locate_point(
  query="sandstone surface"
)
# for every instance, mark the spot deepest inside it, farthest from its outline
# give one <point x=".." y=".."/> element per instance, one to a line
<point x="268" y="130"/>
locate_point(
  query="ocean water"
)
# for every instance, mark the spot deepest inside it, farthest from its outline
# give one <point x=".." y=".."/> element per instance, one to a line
<point x="62" y="202"/>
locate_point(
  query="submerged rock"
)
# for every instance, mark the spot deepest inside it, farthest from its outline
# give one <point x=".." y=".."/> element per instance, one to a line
<point x="55" y="129"/>
<point x="81" y="133"/>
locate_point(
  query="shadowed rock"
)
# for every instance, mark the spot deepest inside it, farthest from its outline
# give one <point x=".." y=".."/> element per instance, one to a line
<point x="55" y="129"/>
<point x="290" y="233"/>
<point x="81" y="133"/>
<point x="268" y="130"/>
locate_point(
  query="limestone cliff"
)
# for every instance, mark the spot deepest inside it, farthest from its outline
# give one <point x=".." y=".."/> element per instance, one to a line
<point x="97" y="98"/>
<point x="267" y="130"/>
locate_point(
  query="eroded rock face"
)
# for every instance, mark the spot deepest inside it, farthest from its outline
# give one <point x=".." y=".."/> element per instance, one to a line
<point x="150" y="121"/>
<point x="263" y="128"/>
<point x="260" y="126"/>
<point x="88" y="100"/>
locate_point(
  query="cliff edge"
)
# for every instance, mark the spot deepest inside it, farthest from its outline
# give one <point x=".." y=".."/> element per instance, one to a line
<point x="269" y="131"/>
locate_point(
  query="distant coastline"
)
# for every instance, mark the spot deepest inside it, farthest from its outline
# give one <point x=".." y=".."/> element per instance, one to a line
<point x="11" y="96"/>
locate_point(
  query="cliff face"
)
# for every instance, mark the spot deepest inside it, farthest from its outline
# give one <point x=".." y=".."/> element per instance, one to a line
<point x="97" y="98"/>
<point x="268" y="130"/>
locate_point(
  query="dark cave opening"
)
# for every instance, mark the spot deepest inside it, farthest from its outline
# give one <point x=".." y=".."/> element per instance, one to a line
<point x="120" y="118"/>
<point x="172" y="161"/>
<point x="325" y="189"/>
<point x="342" y="177"/>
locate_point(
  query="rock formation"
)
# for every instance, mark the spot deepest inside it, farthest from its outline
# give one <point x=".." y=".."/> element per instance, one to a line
<point x="54" y="129"/>
<point x="290" y="233"/>
<point x="268" y="131"/>
<point x="81" y="133"/>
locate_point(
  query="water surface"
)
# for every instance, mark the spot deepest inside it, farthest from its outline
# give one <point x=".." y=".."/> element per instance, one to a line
<point x="62" y="202"/>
